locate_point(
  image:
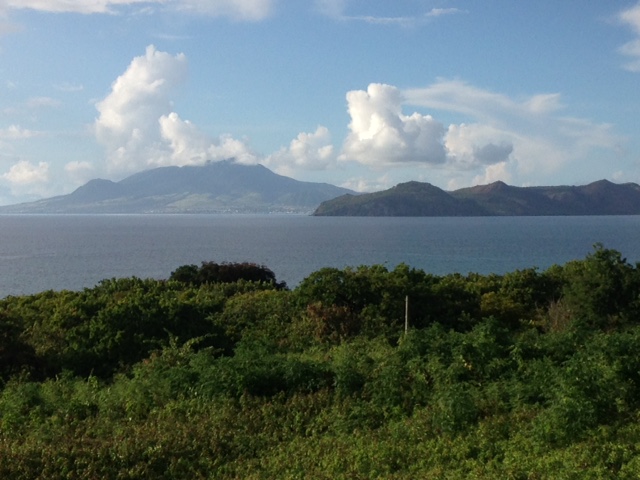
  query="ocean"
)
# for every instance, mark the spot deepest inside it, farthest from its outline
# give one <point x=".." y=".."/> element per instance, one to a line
<point x="42" y="252"/>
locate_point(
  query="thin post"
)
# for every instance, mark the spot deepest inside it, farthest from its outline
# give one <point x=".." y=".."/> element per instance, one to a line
<point x="406" y="314"/>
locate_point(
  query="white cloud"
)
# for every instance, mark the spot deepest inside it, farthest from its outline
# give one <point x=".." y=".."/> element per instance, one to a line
<point x="531" y="132"/>
<point x="308" y="151"/>
<point x="331" y="8"/>
<point x="139" y="129"/>
<point x="631" y="18"/>
<point x="504" y="138"/>
<point x="190" y="146"/>
<point x="69" y="87"/>
<point x="26" y="173"/>
<point x="71" y="6"/>
<point x="493" y="173"/>
<point x="128" y="122"/>
<point x="15" y="132"/>
<point x="250" y="10"/>
<point x="43" y="102"/>
<point x="472" y="146"/>
<point x="337" y="9"/>
<point x="369" y="185"/>
<point x="439" y="12"/>
<point x="80" y="172"/>
<point x="380" y="134"/>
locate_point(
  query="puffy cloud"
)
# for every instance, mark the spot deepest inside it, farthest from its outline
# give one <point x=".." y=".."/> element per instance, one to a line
<point x="128" y="122"/>
<point x="190" y="146"/>
<point x="308" y="151"/>
<point x="139" y="129"/>
<point x="530" y="134"/>
<point x="504" y="138"/>
<point x="26" y="173"/>
<point x="631" y="18"/>
<point x="251" y="10"/>
<point x="471" y="146"/>
<point x="380" y="134"/>
<point x="493" y="173"/>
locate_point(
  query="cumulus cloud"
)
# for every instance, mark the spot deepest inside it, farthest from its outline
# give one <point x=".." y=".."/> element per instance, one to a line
<point x="475" y="145"/>
<point x="631" y="18"/>
<point x="530" y="134"/>
<point x="504" y="138"/>
<point x="127" y="124"/>
<point x="308" y="151"/>
<point x="26" y="173"/>
<point x="493" y="173"/>
<point x="190" y="146"/>
<point x="250" y="10"/>
<point x="139" y="130"/>
<point x="380" y="134"/>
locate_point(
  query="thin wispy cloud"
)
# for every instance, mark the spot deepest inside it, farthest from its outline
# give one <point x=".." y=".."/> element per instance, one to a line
<point x="43" y="102"/>
<point x="249" y="10"/>
<point x="69" y="87"/>
<point x="338" y="10"/>
<point x="631" y="18"/>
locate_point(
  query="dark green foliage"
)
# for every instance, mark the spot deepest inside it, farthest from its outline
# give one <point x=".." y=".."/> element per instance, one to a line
<point x="602" y="290"/>
<point x="524" y="375"/>
<point x="211" y="272"/>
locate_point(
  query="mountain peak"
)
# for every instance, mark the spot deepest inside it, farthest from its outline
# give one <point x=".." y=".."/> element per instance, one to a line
<point x="216" y="187"/>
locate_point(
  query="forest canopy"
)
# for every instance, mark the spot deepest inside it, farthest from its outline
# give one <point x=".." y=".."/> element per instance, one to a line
<point x="220" y="371"/>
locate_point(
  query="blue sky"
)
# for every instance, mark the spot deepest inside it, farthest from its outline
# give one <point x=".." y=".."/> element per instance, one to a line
<point x="358" y="93"/>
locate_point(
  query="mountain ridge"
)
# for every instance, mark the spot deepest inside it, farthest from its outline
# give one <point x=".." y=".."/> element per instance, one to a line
<point x="216" y="187"/>
<point x="495" y="199"/>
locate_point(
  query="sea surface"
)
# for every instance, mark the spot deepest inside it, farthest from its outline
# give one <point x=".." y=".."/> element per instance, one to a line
<point x="42" y="252"/>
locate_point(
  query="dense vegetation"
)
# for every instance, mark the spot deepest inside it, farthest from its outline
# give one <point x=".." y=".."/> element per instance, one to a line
<point x="525" y="375"/>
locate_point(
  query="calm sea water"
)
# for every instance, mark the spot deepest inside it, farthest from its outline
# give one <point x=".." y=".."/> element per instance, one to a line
<point x="76" y="251"/>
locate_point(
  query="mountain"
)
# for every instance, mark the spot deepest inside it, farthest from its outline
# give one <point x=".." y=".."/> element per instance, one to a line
<point x="412" y="199"/>
<point x="496" y="199"/>
<point x="217" y="187"/>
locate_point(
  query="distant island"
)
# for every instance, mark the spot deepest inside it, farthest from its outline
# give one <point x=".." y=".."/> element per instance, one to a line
<point x="416" y="199"/>
<point x="217" y="187"/>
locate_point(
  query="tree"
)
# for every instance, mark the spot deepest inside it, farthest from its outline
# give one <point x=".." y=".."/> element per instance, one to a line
<point x="211" y="272"/>
<point x="603" y="289"/>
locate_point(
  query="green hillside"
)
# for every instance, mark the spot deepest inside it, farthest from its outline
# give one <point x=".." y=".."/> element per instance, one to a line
<point x="221" y="372"/>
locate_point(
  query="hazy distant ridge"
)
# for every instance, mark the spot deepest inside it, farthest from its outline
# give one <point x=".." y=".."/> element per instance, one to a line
<point x="220" y="187"/>
<point x="496" y="199"/>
